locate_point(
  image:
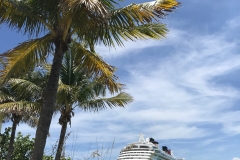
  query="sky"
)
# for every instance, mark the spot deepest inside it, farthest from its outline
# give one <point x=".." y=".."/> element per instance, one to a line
<point x="186" y="88"/>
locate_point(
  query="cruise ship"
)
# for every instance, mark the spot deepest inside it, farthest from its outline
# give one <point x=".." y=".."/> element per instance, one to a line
<point x="146" y="150"/>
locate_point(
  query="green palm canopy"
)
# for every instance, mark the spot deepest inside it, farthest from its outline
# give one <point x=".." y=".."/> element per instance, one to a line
<point x="86" y="92"/>
<point x="18" y="107"/>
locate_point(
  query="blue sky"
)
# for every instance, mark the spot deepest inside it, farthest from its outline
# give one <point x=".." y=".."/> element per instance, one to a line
<point x="186" y="87"/>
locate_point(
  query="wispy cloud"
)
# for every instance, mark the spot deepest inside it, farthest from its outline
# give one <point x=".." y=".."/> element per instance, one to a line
<point x="233" y="23"/>
<point x="180" y="88"/>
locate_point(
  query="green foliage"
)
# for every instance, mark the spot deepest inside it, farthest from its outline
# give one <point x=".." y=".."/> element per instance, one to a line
<point x="23" y="145"/>
<point x="4" y="139"/>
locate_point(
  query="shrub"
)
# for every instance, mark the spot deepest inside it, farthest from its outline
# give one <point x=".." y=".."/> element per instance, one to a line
<point x="23" y="146"/>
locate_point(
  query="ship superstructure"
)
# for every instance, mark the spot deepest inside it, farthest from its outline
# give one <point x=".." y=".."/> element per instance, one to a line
<point x="146" y="150"/>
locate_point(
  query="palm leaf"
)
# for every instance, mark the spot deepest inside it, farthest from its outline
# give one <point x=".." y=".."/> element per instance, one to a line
<point x="26" y="89"/>
<point x="141" y="32"/>
<point x="67" y="70"/>
<point x="6" y="117"/>
<point x="127" y="23"/>
<point x="20" y="107"/>
<point x="21" y="15"/>
<point x="93" y="64"/>
<point x="95" y="105"/>
<point x="5" y="96"/>
<point x="89" y="7"/>
<point x="141" y="13"/>
<point x="81" y="15"/>
<point x="30" y="120"/>
<point x="39" y="76"/>
<point x="91" y="90"/>
<point x="146" y="31"/>
<point x="64" y="94"/>
<point x="25" y="56"/>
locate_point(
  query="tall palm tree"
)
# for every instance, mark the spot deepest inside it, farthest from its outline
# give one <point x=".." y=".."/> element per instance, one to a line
<point x="85" y="92"/>
<point x="15" y="107"/>
<point x="96" y="21"/>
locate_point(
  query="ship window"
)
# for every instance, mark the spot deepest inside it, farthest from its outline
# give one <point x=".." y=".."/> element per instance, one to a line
<point x="134" y="146"/>
<point x="144" y="147"/>
<point x="155" y="147"/>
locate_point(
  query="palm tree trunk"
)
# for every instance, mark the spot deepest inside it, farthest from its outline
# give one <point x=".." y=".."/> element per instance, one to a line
<point x="1" y="121"/>
<point x="61" y="140"/>
<point x="16" y="119"/>
<point x="48" y="102"/>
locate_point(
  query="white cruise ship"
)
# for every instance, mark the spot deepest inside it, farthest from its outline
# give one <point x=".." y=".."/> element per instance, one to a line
<point x="146" y="150"/>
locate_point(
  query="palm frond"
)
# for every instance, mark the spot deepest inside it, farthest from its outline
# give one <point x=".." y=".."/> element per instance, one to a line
<point x="26" y="89"/>
<point x="81" y="15"/>
<point x="39" y="76"/>
<point x="25" y="56"/>
<point x="5" y="96"/>
<point x="157" y="5"/>
<point x="91" y="8"/>
<point x="6" y="117"/>
<point x="98" y="88"/>
<point x="64" y="94"/>
<point x="67" y="71"/>
<point x="140" y="32"/>
<point x="47" y="67"/>
<point x="30" y="120"/>
<point x="136" y="21"/>
<point x="95" y="105"/>
<point x="91" y="90"/>
<point x="2" y="63"/>
<point x="146" y="31"/>
<point x="142" y="13"/>
<point x="94" y="65"/>
<point x="21" y="107"/>
<point x="21" y="15"/>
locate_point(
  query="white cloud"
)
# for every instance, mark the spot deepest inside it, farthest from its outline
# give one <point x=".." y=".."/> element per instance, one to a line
<point x="212" y="140"/>
<point x="235" y="158"/>
<point x="233" y="23"/>
<point x="179" y="89"/>
<point x="132" y="47"/>
<point x="231" y="128"/>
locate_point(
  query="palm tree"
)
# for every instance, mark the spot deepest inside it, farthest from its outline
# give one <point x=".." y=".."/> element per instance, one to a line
<point x="74" y="87"/>
<point x="15" y="107"/>
<point x="21" y="100"/>
<point x="94" y="21"/>
<point x="86" y="92"/>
